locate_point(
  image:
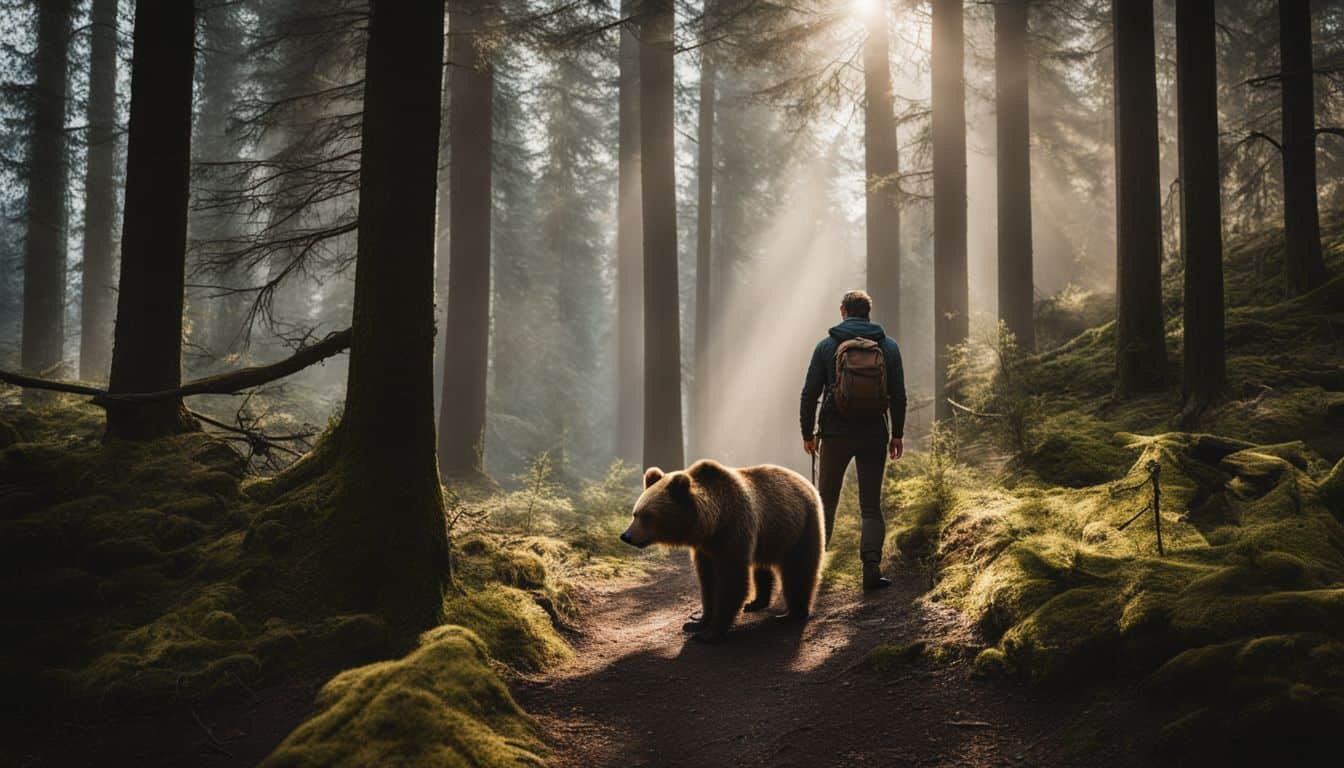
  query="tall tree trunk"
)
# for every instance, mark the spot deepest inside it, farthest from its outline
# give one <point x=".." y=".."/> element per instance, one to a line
<point x="704" y="236"/>
<point x="390" y="550"/>
<point x="467" y="334"/>
<point x="951" y="299"/>
<point x="98" y="298"/>
<point x="221" y="68"/>
<point x="1303" y="266"/>
<point x="658" y="183"/>
<point x="147" y="346"/>
<point x="44" y="244"/>
<point x="1141" y="355"/>
<point x="442" y="242"/>
<point x="1016" y="289"/>
<point x="629" y="255"/>
<point x="882" y="167"/>
<point x="1204" y="373"/>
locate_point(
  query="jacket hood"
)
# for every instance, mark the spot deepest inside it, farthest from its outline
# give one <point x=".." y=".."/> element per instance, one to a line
<point x="857" y="328"/>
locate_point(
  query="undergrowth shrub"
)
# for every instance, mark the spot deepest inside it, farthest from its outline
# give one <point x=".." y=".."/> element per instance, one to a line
<point x="989" y="373"/>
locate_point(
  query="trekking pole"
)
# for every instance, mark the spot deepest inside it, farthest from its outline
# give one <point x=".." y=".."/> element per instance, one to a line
<point x="816" y="446"/>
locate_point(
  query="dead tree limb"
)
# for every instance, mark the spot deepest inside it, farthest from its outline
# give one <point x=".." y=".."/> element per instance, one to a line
<point x="229" y="383"/>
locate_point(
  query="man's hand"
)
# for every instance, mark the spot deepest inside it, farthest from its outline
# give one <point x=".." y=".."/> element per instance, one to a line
<point x="896" y="449"/>
<point x="810" y="446"/>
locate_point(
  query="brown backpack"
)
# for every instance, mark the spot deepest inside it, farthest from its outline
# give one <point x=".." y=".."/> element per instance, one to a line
<point x="860" y="378"/>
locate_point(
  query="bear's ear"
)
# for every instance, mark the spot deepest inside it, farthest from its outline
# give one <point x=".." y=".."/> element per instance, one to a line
<point x="679" y="485"/>
<point x="652" y="475"/>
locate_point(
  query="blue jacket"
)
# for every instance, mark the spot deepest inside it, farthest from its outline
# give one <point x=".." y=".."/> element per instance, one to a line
<point x="821" y="377"/>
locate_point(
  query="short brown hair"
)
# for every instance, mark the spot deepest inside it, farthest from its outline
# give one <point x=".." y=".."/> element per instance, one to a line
<point x="857" y="304"/>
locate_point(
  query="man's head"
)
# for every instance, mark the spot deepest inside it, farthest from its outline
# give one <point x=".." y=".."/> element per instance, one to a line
<point x="856" y="304"/>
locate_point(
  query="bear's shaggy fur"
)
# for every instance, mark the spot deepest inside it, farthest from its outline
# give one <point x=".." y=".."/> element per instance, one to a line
<point x="740" y="524"/>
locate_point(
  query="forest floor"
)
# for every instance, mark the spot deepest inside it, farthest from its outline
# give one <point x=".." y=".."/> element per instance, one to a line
<point x="639" y="692"/>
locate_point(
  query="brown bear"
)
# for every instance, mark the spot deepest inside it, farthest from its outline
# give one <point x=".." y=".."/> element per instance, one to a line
<point x="740" y="525"/>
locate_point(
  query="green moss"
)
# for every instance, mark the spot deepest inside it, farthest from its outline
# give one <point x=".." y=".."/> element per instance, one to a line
<point x="1077" y="452"/>
<point x="989" y="663"/>
<point x="439" y="706"/>
<point x="515" y="629"/>
<point x="888" y="658"/>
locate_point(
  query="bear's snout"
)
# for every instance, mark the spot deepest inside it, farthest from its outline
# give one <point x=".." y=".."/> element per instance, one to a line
<point x="628" y="539"/>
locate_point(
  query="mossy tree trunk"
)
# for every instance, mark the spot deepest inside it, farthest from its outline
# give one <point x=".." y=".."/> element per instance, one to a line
<point x="629" y="253"/>
<point x="882" y="166"/>
<point x="467" y="332"/>
<point x="391" y="549"/>
<point x="658" y="183"/>
<point x="1204" y="368"/>
<point x="704" y="241"/>
<point x="1303" y="266"/>
<point x="97" y="295"/>
<point x="1016" y="288"/>
<point x="44" y="243"/>
<point x="951" y="299"/>
<point x="1141" y="356"/>
<point x="147" y="345"/>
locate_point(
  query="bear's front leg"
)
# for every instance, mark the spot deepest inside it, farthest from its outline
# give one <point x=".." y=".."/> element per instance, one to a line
<point x="704" y="570"/>
<point x="731" y="580"/>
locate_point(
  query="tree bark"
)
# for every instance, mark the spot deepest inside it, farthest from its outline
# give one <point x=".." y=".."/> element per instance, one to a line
<point x="629" y="254"/>
<point x="882" y="167"/>
<point x="1204" y="369"/>
<point x="467" y="334"/>
<point x="1141" y="356"/>
<point x="97" y="296"/>
<point x="658" y="184"/>
<point x="147" y="345"/>
<point x="704" y="261"/>
<point x="1017" y="294"/>
<point x="951" y="300"/>
<point x="390" y="543"/>
<point x="1303" y="265"/>
<point x="44" y="245"/>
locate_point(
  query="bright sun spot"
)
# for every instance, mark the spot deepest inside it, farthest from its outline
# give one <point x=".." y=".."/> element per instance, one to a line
<point x="865" y="7"/>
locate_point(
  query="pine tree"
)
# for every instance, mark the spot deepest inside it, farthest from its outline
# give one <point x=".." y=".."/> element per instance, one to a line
<point x="97" y="297"/>
<point x="882" y="167"/>
<point x="147" y="344"/>
<point x="629" y="253"/>
<point x="44" y="246"/>
<point x="662" y="325"/>
<point x="1141" y="356"/>
<point x="467" y="330"/>
<point x="1016" y="288"/>
<point x="951" y="291"/>
<point x="1204" y="369"/>
<point x="1304" y="268"/>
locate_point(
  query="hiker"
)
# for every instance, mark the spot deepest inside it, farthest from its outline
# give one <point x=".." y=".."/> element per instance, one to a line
<point x="856" y="371"/>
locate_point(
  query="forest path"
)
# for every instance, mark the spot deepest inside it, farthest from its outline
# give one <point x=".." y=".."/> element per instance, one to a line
<point x="641" y="693"/>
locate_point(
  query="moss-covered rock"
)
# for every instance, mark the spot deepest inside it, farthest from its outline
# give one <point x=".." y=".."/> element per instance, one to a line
<point x="515" y="629"/>
<point x="439" y="706"/>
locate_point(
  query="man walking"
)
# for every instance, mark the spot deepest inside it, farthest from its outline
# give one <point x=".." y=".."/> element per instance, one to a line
<point x="856" y="371"/>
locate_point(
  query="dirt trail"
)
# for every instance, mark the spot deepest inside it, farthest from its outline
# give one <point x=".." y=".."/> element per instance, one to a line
<point x="641" y="693"/>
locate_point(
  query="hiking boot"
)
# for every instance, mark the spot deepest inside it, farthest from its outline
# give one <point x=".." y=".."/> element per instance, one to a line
<point x="873" y="578"/>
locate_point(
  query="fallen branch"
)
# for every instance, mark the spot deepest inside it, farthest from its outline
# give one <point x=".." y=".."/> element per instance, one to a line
<point x="971" y="724"/>
<point x="229" y="383"/>
<point x="973" y="412"/>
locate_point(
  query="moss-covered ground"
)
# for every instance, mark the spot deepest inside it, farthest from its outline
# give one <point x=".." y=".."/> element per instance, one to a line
<point x="144" y="580"/>
<point x="1235" y="633"/>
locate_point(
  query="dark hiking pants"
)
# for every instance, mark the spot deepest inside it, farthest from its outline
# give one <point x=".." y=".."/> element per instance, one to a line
<point x="870" y="456"/>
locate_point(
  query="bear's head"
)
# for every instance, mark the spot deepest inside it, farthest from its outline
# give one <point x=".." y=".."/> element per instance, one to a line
<point x="666" y="511"/>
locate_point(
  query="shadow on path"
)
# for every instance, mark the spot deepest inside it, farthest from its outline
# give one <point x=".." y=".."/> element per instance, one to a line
<point x="641" y="693"/>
